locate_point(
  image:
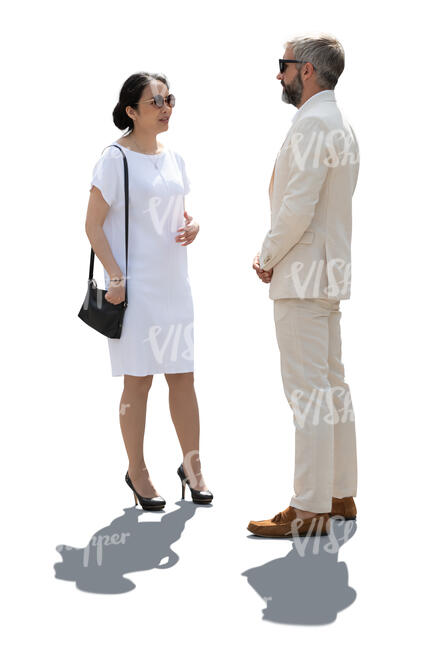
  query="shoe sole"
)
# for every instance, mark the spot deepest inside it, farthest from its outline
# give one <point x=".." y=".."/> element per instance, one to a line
<point x="289" y="536"/>
<point x="306" y="534"/>
<point x="345" y="518"/>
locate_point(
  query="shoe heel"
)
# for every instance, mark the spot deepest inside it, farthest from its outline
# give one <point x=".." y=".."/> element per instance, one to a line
<point x="198" y="496"/>
<point x="135" y="498"/>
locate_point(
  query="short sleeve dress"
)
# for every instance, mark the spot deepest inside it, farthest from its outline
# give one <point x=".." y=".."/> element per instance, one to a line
<point x="158" y="327"/>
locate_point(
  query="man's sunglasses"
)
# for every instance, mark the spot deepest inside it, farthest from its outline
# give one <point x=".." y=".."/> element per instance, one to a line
<point x="282" y="63"/>
<point x="159" y="100"/>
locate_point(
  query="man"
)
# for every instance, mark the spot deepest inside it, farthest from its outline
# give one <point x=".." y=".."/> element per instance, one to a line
<point x="306" y="259"/>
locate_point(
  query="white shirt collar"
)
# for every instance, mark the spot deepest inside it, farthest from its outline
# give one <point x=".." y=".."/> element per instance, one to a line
<point x="326" y="94"/>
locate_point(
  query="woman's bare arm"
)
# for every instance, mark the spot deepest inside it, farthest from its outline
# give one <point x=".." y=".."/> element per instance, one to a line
<point x="96" y="215"/>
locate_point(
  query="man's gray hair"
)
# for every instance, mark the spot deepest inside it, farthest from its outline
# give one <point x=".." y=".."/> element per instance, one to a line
<point x="325" y="52"/>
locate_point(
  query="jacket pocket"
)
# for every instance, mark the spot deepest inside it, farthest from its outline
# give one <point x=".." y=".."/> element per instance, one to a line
<point x="307" y="238"/>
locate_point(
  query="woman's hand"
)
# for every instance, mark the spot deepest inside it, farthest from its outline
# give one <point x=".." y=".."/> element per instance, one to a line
<point x="116" y="292"/>
<point x="190" y="230"/>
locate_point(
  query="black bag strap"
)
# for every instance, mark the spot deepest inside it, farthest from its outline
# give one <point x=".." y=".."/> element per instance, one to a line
<point x="90" y="274"/>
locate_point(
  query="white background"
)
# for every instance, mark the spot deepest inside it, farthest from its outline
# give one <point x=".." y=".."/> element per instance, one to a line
<point x="63" y="458"/>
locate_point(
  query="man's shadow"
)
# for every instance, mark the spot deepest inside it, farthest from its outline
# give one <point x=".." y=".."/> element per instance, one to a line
<point x="125" y="546"/>
<point x="308" y="586"/>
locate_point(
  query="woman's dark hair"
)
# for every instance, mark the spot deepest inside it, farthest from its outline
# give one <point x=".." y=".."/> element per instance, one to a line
<point x="130" y="94"/>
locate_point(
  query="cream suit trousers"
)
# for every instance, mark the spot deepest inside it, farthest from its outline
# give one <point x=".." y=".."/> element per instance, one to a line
<point x="309" y="339"/>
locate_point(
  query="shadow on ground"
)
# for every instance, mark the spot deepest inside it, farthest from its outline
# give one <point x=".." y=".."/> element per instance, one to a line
<point x="309" y="586"/>
<point x="125" y="546"/>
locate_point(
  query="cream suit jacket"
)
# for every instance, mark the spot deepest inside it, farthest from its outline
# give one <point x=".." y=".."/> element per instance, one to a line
<point x="310" y="193"/>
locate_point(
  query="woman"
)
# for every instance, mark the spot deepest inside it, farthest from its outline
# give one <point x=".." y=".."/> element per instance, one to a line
<point x="157" y="332"/>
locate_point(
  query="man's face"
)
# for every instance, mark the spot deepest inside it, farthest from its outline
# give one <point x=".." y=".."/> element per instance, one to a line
<point x="291" y="81"/>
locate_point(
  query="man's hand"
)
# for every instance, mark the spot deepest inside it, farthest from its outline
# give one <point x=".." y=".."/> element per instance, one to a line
<point x="190" y="230"/>
<point x="265" y="276"/>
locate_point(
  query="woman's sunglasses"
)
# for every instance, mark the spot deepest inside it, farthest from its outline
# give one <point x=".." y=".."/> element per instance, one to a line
<point x="159" y="100"/>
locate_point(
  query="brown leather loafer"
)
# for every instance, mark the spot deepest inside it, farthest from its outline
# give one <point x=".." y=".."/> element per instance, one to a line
<point x="288" y="523"/>
<point x="344" y="507"/>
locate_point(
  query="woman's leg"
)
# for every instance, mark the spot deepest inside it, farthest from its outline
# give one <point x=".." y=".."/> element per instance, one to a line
<point x="185" y="417"/>
<point x="132" y="416"/>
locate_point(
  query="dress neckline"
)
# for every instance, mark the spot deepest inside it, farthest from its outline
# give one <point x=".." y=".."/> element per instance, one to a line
<point x="152" y="155"/>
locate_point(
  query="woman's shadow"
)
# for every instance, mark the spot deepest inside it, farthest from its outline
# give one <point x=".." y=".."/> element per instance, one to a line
<point x="308" y="586"/>
<point x="125" y="546"/>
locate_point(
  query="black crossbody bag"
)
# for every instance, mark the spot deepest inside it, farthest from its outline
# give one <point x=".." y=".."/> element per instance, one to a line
<point x="96" y="311"/>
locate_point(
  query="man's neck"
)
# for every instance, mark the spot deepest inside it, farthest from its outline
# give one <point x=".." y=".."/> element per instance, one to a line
<point x="310" y="94"/>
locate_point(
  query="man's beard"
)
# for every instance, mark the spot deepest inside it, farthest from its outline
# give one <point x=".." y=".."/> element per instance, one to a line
<point x="293" y="92"/>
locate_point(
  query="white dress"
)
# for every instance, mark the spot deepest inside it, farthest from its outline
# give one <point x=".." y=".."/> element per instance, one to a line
<point x="157" y="332"/>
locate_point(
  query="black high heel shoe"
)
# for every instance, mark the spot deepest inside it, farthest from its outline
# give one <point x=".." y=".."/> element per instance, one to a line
<point x="147" y="503"/>
<point x="198" y="496"/>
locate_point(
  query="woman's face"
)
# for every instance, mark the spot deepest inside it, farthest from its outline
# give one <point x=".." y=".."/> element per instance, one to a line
<point x="147" y="116"/>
